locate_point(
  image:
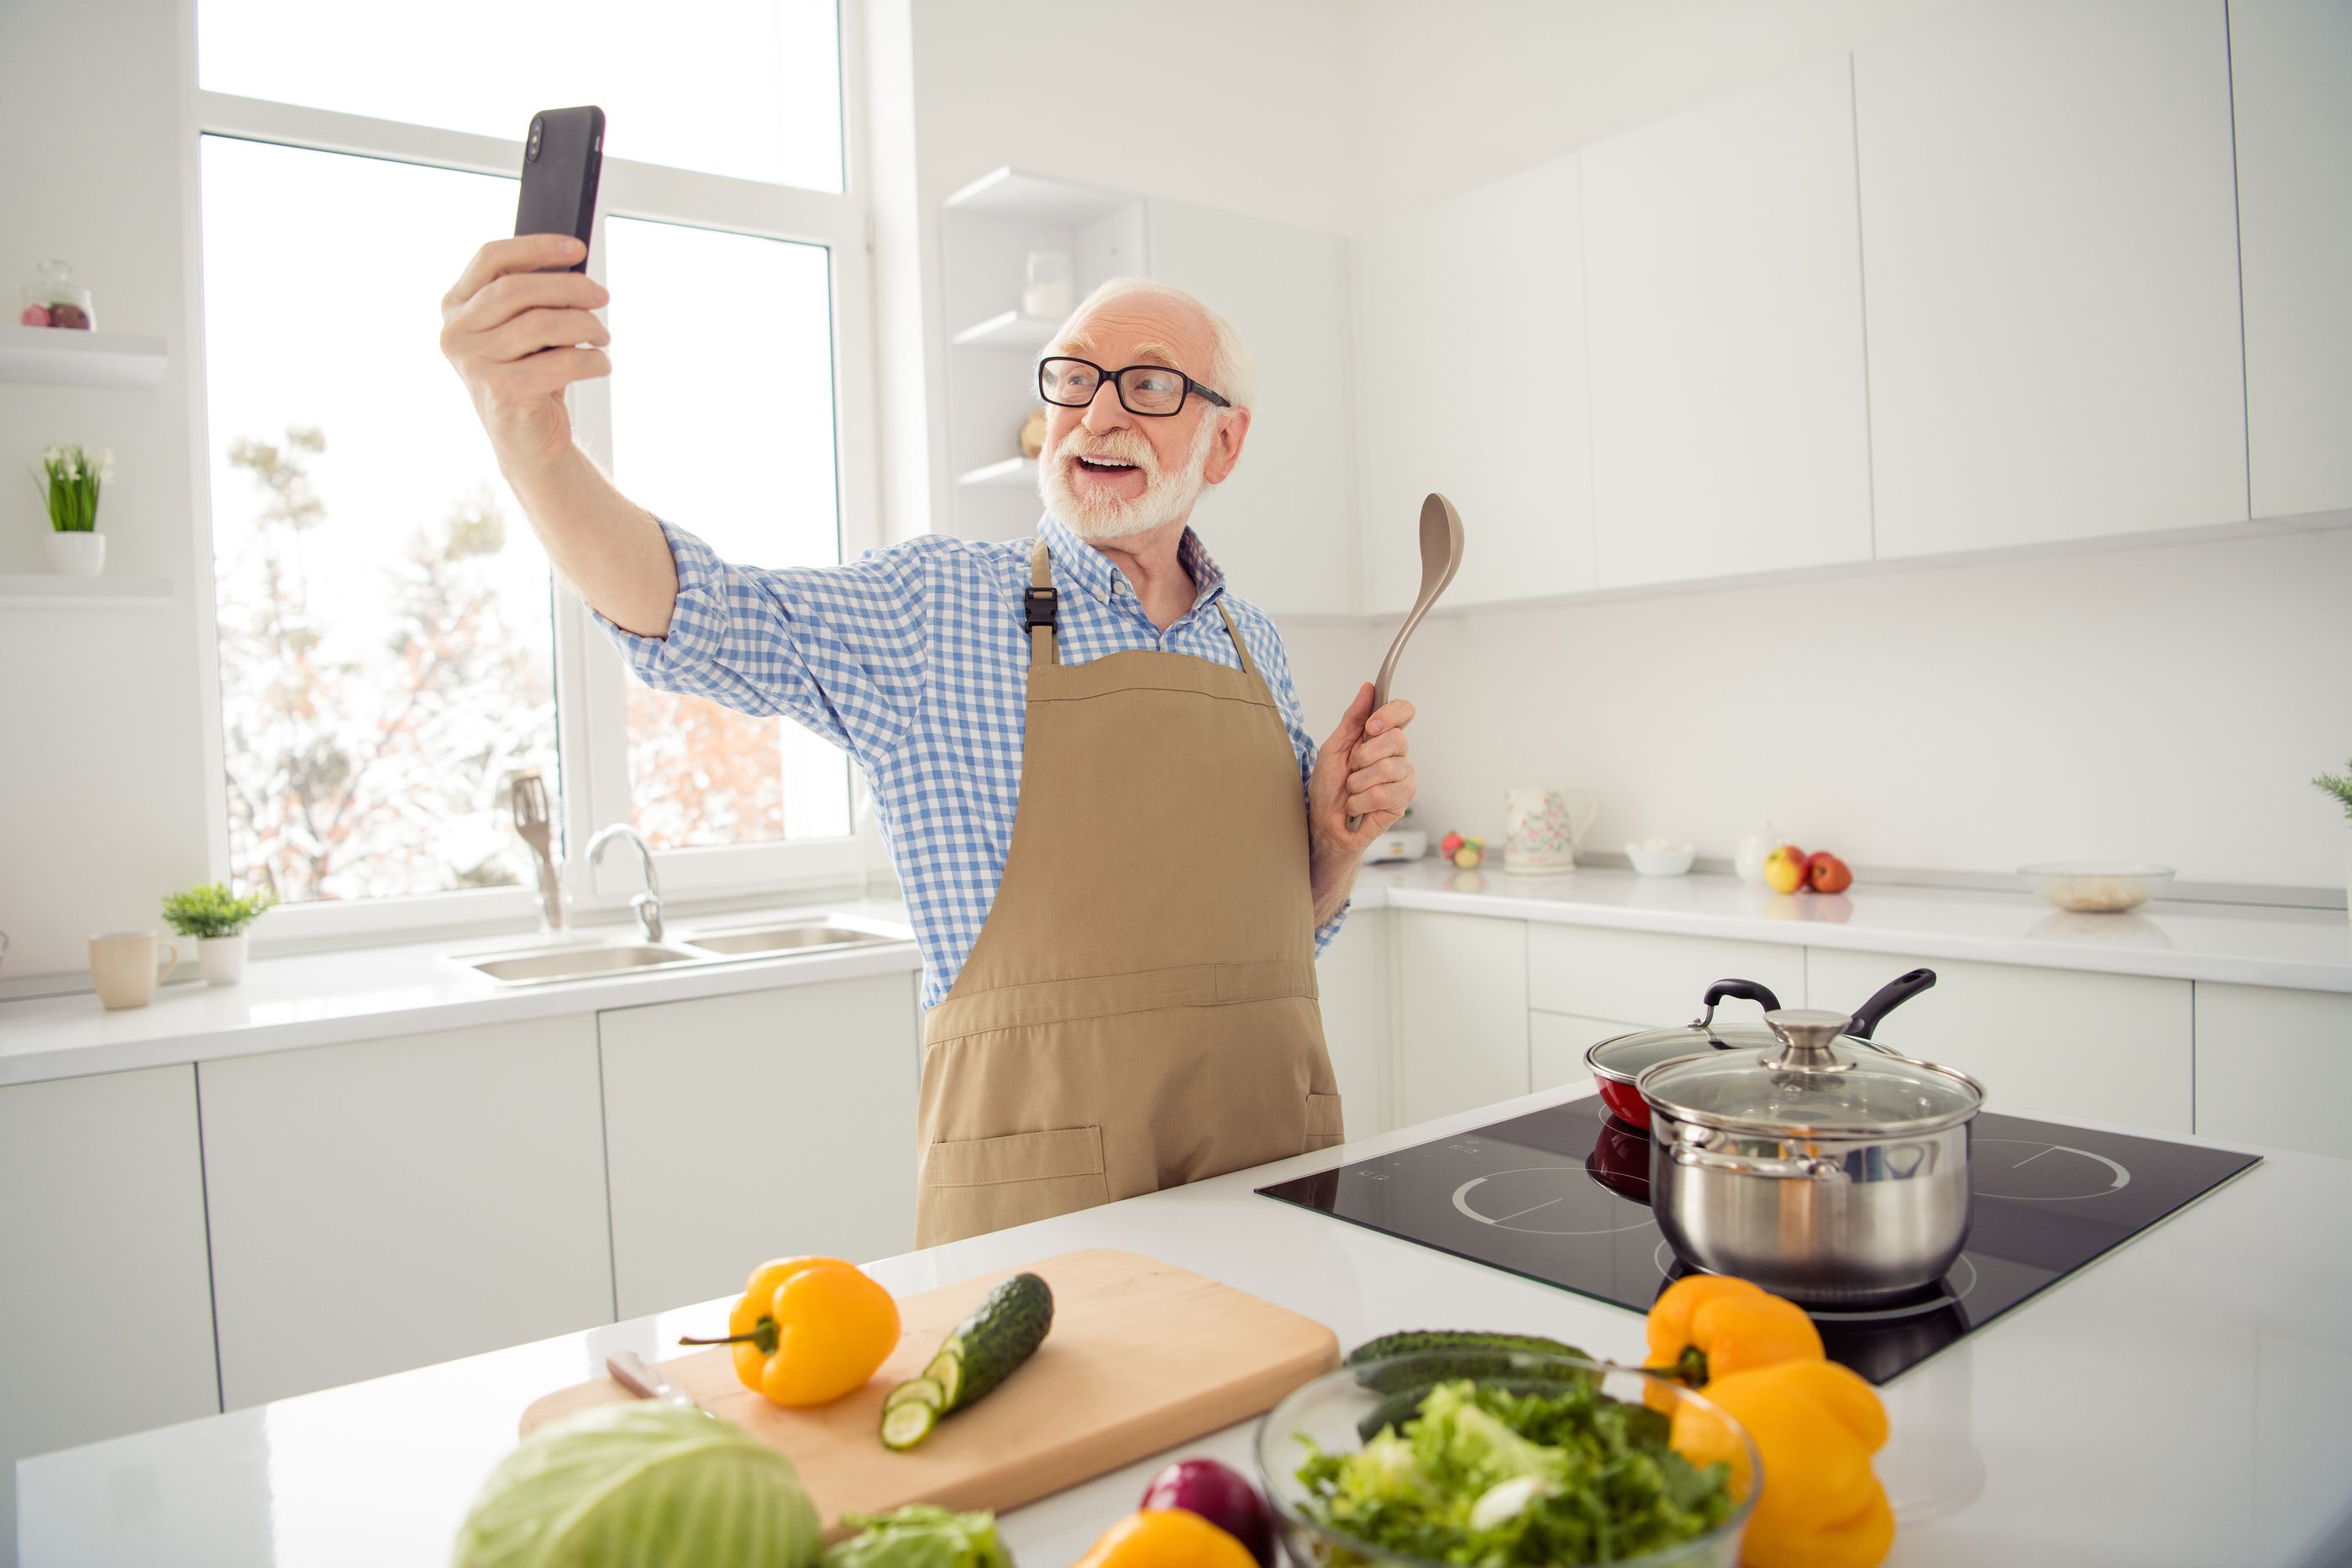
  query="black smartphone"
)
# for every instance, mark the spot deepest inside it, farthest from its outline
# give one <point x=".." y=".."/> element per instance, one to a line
<point x="561" y="158"/>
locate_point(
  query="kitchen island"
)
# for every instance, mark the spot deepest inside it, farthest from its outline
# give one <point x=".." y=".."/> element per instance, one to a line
<point x="2186" y="1399"/>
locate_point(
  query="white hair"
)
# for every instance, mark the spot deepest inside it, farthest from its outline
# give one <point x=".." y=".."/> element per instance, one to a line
<point x="1232" y="372"/>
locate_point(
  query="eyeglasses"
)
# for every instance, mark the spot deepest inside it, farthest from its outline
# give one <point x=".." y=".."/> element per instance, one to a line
<point x="1153" y="391"/>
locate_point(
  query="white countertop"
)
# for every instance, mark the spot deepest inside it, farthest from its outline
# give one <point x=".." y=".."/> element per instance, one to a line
<point x="2251" y="945"/>
<point x="323" y="999"/>
<point x="2186" y="1399"/>
<point x="368" y="993"/>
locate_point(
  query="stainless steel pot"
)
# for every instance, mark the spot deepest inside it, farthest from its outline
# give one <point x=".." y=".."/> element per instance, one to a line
<point x="1830" y="1171"/>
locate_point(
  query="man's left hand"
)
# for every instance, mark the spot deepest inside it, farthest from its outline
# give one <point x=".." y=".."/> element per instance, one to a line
<point x="1362" y="773"/>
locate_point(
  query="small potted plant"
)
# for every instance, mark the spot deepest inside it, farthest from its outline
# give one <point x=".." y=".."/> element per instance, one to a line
<point x="2340" y="786"/>
<point x="217" y="919"/>
<point x="69" y="480"/>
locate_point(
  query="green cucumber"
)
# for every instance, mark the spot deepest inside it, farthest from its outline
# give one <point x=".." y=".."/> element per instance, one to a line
<point x="1447" y="1354"/>
<point x="907" y="1423"/>
<point x="923" y="1390"/>
<point x="985" y="1349"/>
<point x="947" y="1370"/>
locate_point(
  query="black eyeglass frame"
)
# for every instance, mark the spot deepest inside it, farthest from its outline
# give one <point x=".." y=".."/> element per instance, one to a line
<point x="1117" y="380"/>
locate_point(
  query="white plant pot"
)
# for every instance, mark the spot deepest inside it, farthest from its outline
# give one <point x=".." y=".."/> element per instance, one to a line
<point x="222" y="959"/>
<point x="77" y="555"/>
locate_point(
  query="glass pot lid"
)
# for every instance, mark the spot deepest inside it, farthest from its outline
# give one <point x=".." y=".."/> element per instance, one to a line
<point x="1627" y="1056"/>
<point x="1811" y="1080"/>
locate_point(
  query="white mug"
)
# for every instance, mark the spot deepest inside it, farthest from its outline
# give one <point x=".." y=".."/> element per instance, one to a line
<point x="126" y="966"/>
<point x="1541" y="826"/>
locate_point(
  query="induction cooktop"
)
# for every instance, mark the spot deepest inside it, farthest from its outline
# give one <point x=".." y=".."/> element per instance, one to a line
<point x="1561" y="1196"/>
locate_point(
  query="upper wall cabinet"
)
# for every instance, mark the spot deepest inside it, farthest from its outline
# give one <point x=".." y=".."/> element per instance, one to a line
<point x="2293" y="60"/>
<point x="1470" y="377"/>
<point x="2050" y="259"/>
<point x="1724" y="302"/>
<point x="1283" y="526"/>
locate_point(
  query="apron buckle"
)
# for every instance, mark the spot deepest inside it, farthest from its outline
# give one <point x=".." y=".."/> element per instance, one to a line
<point x="1041" y="604"/>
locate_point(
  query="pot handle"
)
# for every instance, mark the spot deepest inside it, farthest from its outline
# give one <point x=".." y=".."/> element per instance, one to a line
<point x="1886" y="999"/>
<point x="1745" y="990"/>
<point x="1809" y="1168"/>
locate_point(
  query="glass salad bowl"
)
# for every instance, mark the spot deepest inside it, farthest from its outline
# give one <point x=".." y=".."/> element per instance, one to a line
<point x="1501" y="1414"/>
<point x="2097" y="887"/>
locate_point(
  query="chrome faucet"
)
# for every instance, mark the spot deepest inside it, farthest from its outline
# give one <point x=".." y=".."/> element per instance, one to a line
<point x="647" y="904"/>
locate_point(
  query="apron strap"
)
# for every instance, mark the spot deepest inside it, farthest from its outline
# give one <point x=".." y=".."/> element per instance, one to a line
<point x="1235" y="634"/>
<point x="1040" y="605"/>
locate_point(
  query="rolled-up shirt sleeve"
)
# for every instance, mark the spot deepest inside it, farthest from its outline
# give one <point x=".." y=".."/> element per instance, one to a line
<point x="840" y="649"/>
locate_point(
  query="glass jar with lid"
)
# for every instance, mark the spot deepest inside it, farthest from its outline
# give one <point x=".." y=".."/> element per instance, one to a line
<point x="56" y="301"/>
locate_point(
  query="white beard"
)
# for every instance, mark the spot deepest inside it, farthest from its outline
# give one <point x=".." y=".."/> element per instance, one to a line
<point x="1166" y="497"/>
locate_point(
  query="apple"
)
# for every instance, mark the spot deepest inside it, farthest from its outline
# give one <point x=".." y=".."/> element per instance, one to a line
<point x="1827" y="873"/>
<point x="1449" y="845"/>
<point x="1784" y="868"/>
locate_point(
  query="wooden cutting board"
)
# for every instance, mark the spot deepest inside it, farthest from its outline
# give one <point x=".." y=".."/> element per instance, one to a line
<point x="1142" y="1356"/>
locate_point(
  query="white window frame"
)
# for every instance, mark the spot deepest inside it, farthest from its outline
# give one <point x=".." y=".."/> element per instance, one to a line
<point x="592" y="682"/>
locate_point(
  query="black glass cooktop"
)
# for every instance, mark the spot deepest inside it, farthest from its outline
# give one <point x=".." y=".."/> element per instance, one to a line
<point x="1562" y="1196"/>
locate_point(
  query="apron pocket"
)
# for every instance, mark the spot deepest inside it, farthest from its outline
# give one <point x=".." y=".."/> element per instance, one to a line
<point x="1324" y="1125"/>
<point x="975" y="1184"/>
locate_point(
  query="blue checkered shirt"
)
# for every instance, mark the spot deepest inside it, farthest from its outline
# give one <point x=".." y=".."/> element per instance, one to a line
<point x="915" y="661"/>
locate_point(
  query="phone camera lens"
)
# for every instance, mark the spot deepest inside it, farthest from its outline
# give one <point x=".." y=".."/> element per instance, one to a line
<point x="533" y="150"/>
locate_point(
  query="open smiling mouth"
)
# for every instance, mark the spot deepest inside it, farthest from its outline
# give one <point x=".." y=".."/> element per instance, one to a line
<point x="1105" y="466"/>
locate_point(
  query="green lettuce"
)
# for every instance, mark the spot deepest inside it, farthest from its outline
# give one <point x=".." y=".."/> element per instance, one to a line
<point x="1541" y="1478"/>
<point x="921" y="1536"/>
<point x="632" y="1486"/>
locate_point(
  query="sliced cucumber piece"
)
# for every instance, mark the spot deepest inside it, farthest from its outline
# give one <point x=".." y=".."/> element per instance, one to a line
<point x="907" y="1423"/>
<point x="922" y="1390"/>
<point x="947" y="1370"/>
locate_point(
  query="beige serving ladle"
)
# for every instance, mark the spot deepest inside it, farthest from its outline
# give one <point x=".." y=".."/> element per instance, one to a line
<point x="1441" y="557"/>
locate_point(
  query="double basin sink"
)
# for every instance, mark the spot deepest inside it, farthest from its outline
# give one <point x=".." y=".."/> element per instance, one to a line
<point x="727" y="944"/>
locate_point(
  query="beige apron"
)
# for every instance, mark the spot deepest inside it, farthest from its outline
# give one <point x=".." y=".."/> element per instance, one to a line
<point x="1139" y="1010"/>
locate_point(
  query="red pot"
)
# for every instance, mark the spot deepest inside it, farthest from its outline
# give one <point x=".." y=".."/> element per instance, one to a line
<point x="1621" y="1058"/>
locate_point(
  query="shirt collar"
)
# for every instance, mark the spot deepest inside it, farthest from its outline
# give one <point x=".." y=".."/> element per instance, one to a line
<point x="1092" y="573"/>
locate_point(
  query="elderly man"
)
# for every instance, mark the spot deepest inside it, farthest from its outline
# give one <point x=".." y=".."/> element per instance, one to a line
<point x="1119" y="845"/>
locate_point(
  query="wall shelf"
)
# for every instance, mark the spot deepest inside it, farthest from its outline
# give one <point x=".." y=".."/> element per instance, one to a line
<point x="1007" y="330"/>
<point x="1035" y="198"/>
<point x="52" y="591"/>
<point x="1014" y="472"/>
<point x="57" y="356"/>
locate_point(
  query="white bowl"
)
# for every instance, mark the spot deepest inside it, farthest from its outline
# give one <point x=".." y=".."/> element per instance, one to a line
<point x="2097" y="887"/>
<point x="1653" y="859"/>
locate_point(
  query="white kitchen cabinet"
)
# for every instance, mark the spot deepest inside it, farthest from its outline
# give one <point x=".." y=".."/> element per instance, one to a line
<point x="1283" y="526"/>
<point x="2274" y="1067"/>
<point x="2289" y="61"/>
<point x="1352" y="978"/>
<point x="1656" y="981"/>
<point x="2050" y="251"/>
<point x="1462" y="1019"/>
<point x="1470" y="380"/>
<point x="760" y="1126"/>
<point x="391" y="1203"/>
<point x="2061" y="1042"/>
<point x="1556" y="1043"/>
<point x="105" y="1304"/>
<point x="1724" y="302"/>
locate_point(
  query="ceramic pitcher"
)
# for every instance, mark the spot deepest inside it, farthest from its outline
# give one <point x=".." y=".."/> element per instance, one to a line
<point x="1541" y="826"/>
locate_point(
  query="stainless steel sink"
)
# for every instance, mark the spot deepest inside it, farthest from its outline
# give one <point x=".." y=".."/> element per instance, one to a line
<point x="540" y="965"/>
<point x="794" y="935"/>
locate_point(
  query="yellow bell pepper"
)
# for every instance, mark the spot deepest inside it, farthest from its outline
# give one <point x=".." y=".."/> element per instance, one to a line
<point x="1815" y="1424"/>
<point x="1706" y="1326"/>
<point x="1165" y="1538"/>
<point x="809" y="1330"/>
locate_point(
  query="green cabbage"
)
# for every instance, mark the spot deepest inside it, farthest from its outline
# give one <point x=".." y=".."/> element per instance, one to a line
<point x="637" y="1485"/>
<point x="921" y="1536"/>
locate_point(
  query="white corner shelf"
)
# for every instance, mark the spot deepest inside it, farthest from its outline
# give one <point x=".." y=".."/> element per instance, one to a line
<point x="50" y="590"/>
<point x="1007" y="330"/>
<point x="1010" y="193"/>
<point x="59" y="356"/>
<point x="1012" y="474"/>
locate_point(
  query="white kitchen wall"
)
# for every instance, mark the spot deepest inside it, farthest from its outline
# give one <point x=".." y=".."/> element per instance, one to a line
<point x="101" y="780"/>
<point x="2167" y="703"/>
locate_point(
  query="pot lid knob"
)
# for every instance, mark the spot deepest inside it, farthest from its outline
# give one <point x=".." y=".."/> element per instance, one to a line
<point x="1807" y="1035"/>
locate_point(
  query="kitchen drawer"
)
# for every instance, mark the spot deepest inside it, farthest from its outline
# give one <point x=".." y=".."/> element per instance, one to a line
<point x="2063" y="1043"/>
<point x="1593" y="972"/>
<point x="2274" y="1067"/>
<point x="1556" y="1043"/>
<point x="392" y="1203"/>
<point x="800" y="1101"/>
<point x="1461" y="1029"/>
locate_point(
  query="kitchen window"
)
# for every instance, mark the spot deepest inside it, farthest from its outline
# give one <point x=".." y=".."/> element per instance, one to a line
<point x="391" y="647"/>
